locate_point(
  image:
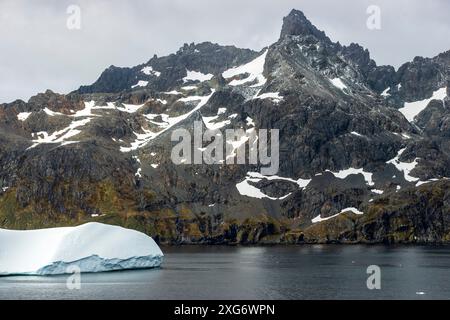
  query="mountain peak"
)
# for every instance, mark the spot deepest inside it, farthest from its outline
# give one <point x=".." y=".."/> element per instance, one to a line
<point x="296" y="23"/>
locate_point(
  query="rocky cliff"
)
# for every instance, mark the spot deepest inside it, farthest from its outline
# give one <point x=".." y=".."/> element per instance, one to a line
<point x="364" y="149"/>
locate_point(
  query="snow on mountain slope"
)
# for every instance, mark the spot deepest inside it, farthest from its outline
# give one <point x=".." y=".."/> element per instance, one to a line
<point x="350" y="209"/>
<point x="60" y="136"/>
<point x="275" y="96"/>
<point x="141" y="83"/>
<point x="342" y="174"/>
<point x="254" y="69"/>
<point x="149" y="71"/>
<point x="22" y="116"/>
<point x="246" y="189"/>
<point x="339" y="125"/>
<point x="143" y="139"/>
<point x="197" y="76"/>
<point x="412" y="109"/>
<point x="93" y="247"/>
<point x="405" y="167"/>
<point x="337" y="82"/>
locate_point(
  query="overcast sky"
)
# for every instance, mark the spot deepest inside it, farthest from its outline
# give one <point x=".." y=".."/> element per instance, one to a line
<point x="38" y="51"/>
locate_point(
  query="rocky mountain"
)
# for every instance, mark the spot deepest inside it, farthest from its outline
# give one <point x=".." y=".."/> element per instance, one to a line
<point x="364" y="153"/>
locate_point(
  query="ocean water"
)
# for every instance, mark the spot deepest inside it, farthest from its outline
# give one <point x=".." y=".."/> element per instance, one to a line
<point x="260" y="272"/>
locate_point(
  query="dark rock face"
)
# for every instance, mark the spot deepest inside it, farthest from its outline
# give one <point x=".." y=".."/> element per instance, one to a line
<point x="295" y="23"/>
<point x="412" y="216"/>
<point x="205" y="57"/>
<point x="420" y="77"/>
<point x="113" y="79"/>
<point x="434" y="120"/>
<point x="103" y="152"/>
<point x="378" y="78"/>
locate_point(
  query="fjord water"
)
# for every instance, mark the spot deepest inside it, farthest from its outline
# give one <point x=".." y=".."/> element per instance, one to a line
<point x="272" y="272"/>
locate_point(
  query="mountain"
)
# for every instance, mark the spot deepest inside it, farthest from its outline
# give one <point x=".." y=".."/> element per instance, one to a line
<point x="363" y="149"/>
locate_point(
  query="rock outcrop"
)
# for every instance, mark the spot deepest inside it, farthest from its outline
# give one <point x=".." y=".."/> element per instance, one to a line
<point x="364" y="152"/>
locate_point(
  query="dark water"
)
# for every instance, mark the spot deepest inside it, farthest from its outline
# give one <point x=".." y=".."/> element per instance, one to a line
<point x="294" y="272"/>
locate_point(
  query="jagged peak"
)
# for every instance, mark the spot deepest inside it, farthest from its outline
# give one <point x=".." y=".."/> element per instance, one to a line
<point x="296" y="23"/>
<point x="42" y="95"/>
<point x="191" y="47"/>
<point x="358" y="54"/>
<point x="444" y="54"/>
<point x="205" y="46"/>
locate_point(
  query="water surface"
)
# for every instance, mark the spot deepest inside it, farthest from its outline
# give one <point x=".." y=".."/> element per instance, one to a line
<point x="275" y="272"/>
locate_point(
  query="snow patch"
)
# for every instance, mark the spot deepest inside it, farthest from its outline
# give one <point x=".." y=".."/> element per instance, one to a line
<point x="89" y="106"/>
<point x="188" y="88"/>
<point x="411" y="109"/>
<point x="406" y="167"/>
<point x="419" y="183"/>
<point x="250" y="122"/>
<point x="143" y="138"/>
<point x="356" y="134"/>
<point x="302" y="183"/>
<point x="22" y="116"/>
<point x="59" y="136"/>
<point x="320" y="219"/>
<point x="149" y="71"/>
<point x="236" y="144"/>
<point x="141" y="83"/>
<point x="197" y="76"/>
<point x="212" y="125"/>
<point x="342" y="174"/>
<point x="337" y="82"/>
<point x="189" y="99"/>
<point x="221" y="111"/>
<point x="139" y="170"/>
<point x="254" y="68"/>
<point x="351" y="209"/>
<point x="275" y="96"/>
<point x="246" y="189"/>
<point x="406" y="136"/>
<point x="385" y="92"/>
<point x="173" y="92"/>
<point x="52" y="113"/>
<point x="130" y="108"/>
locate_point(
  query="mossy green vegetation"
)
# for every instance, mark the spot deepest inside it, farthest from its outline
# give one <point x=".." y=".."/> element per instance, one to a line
<point x="410" y="216"/>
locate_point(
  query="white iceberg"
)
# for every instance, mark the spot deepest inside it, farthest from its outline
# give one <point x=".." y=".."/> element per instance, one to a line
<point x="91" y="247"/>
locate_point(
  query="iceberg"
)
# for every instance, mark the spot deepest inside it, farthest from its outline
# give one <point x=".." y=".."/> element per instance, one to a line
<point x="91" y="247"/>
